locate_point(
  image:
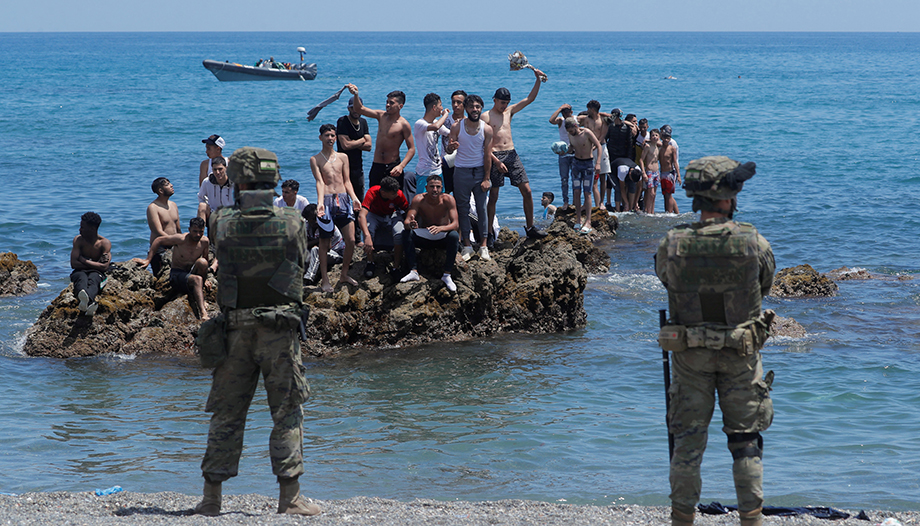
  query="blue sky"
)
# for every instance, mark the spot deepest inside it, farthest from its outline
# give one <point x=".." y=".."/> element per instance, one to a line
<point x="469" y="15"/>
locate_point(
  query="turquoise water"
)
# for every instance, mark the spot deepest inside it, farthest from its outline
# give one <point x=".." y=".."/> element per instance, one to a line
<point x="89" y="120"/>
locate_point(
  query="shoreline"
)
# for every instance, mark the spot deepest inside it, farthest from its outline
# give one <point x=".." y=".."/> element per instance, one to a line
<point x="85" y="508"/>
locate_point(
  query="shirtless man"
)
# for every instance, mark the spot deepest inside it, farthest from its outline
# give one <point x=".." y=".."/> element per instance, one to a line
<point x="649" y="164"/>
<point x="432" y="223"/>
<point x="505" y="160"/>
<point x="392" y="130"/>
<point x="189" y="270"/>
<point x="670" y="170"/>
<point x="162" y="218"/>
<point x="584" y="142"/>
<point x="598" y="122"/>
<point x="90" y="258"/>
<point x="213" y="147"/>
<point x="336" y="199"/>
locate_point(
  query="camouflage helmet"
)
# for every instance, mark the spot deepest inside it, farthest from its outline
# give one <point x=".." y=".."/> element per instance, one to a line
<point x="716" y="177"/>
<point x="253" y="165"/>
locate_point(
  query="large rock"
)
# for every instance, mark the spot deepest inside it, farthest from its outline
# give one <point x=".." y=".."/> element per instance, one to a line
<point x="530" y="285"/>
<point x="137" y="314"/>
<point x="801" y="282"/>
<point x="17" y="278"/>
<point x="787" y="327"/>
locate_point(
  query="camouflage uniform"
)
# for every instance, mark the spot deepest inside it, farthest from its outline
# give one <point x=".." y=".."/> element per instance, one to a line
<point x="261" y="250"/>
<point x="716" y="273"/>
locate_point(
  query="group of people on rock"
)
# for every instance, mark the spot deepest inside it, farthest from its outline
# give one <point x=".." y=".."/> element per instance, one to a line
<point x="606" y="153"/>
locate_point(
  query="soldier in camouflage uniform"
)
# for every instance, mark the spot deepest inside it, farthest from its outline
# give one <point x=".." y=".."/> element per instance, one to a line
<point x="716" y="272"/>
<point x="261" y="250"/>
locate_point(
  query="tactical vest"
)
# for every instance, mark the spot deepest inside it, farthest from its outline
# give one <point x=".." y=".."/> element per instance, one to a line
<point x="260" y="255"/>
<point x="713" y="274"/>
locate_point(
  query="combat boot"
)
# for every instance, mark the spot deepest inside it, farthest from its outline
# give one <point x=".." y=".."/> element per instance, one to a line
<point x="210" y="504"/>
<point x="291" y="503"/>
<point x="751" y="518"/>
<point x="681" y="519"/>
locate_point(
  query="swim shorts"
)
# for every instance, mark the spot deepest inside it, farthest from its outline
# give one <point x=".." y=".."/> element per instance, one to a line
<point x="339" y="208"/>
<point x="653" y="176"/>
<point x="178" y="278"/>
<point x="582" y="174"/>
<point x="605" y="159"/>
<point x="515" y="169"/>
<point x="667" y="182"/>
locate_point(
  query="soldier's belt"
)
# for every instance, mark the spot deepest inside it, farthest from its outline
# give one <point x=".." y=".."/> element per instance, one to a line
<point x="744" y="339"/>
<point x="278" y="317"/>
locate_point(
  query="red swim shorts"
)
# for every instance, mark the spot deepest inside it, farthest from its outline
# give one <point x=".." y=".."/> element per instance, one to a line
<point x="667" y="186"/>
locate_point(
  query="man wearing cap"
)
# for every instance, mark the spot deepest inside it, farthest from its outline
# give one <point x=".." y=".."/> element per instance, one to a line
<point x="262" y="251"/>
<point x="353" y="139"/>
<point x="214" y="146"/>
<point x="716" y="272"/>
<point x="505" y="160"/>
<point x="620" y="143"/>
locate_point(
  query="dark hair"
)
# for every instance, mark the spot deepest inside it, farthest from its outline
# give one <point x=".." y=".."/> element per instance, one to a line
<point x="470" y="99"/>
<point x="594" y="104"/>
<point x="292" y="184"/>
<point x="92" y="219"/>
<point x="434" y="177"/>
<point x="398" y="95"/>
<point x="430" y="100"/>
<point x="550" y="196"/>
<point x="309" y="212"/>
<point x="196" y="222"/>
<point x="643" y="120"/>
<point x="389" y="184"/>
<point x="566" y="110"/>
<point x="630" y="115"/>
<point x="158" y="183"/>
<point x="635" y="174"/>
<point x="218" y="160"/>
<point x="458" y="92"/>
<point x="654" y="130"/>
<point x="326" y="127"/>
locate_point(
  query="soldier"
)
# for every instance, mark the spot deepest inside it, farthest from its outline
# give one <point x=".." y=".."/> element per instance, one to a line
<point x="716" y="273"/>
<point x="261" y="250"/>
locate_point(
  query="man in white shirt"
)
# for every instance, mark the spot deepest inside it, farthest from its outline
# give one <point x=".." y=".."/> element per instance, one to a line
<point x="289" y="196"/>
<point x="216" y="191"/>
<point x="425" y="133"/>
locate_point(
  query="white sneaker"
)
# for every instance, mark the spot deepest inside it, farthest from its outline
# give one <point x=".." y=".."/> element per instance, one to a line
<point x="484" y="254"/>
<point x="449" y="282"/>
<point x="411" y="276"/>
<point x="466" y="253"/>
<point x="84" y="300"/>
<point x="91" y="310"/>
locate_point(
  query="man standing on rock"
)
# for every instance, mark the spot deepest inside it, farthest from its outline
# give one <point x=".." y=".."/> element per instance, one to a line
<point x="505" y="160"/>
<point x="90" y="258"/>
<point x="261" y="250"/>
<point x="716" y="272"/>
<point x="392" y="130"/>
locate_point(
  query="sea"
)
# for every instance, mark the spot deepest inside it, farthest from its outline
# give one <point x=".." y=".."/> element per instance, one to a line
<point x="88" y="120"/>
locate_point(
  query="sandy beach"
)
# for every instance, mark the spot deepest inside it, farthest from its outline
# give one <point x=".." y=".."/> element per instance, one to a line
<point x="85" y="508"/>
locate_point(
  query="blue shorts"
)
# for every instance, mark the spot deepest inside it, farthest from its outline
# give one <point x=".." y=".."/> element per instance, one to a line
<point x="339" y="209"/>
<point x="583" y="174"/>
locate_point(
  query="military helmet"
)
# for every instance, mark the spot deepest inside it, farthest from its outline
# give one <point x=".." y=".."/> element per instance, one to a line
<point x="253" y="165"/>
<point x="716" y="177"/>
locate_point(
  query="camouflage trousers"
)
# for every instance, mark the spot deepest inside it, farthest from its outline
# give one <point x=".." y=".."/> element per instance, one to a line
<point x="744" y="398"/>
<point x="253" y="349"/>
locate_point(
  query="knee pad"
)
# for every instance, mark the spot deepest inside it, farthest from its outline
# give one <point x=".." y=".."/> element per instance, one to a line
<point x="744" y="445"/>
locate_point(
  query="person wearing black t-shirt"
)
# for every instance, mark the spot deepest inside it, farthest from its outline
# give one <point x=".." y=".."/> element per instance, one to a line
<point x="353" y="139"/>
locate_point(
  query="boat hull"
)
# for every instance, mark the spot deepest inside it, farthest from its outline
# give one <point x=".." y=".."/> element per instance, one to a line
<point x="227" y="72"/>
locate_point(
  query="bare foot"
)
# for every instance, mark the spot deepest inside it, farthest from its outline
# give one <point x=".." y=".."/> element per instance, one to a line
<point x="348" y="279"/>
<point x="326" y="286"/>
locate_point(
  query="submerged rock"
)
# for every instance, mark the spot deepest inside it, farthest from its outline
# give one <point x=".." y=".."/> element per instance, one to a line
<point x="802" y="281"/>
<point x="17" y="278"/>
<point x="534" y="286"/>
<point x="846" y="274"/>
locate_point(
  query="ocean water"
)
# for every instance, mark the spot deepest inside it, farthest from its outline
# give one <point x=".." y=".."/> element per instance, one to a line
<point x="88" y="120"/>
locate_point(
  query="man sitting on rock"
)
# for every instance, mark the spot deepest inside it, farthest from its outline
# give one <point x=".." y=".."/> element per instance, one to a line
<point x="381" y="217"/>
<point x="319" y="228"/>
<point x="189" y="269"/>
<point x="162" y="218"/>
<point x="90" y="258"/>
<point x="432" y="223"/>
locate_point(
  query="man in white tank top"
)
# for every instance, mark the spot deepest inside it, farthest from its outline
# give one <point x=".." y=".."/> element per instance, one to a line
<point x="472" y="140"/>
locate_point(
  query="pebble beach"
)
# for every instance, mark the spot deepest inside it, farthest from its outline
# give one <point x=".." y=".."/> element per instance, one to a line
<point x="126" y="508"/>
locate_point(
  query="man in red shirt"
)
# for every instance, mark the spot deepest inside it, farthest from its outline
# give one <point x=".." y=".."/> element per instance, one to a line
<point x="381" y="218"/>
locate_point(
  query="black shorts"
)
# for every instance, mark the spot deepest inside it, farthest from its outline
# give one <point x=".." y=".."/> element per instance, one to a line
<point x="178" y="278"/>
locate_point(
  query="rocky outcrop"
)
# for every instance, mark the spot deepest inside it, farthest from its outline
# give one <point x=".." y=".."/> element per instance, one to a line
<point x="530" y="285"/>
<point x="17" y="278"/>
<point x="860" y="274"/>
<point x="802" y="282"/>
<point x="137" y="314"/>
<point x="787" y="327"/>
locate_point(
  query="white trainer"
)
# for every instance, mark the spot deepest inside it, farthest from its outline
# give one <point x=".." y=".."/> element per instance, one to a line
<point x="449" y="282"/>
<point x="484" y="254"/>
<point x="466" y="253"/>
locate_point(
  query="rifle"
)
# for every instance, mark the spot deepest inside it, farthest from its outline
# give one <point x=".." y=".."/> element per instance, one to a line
<point x="666" y="363"/>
